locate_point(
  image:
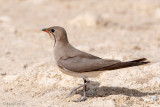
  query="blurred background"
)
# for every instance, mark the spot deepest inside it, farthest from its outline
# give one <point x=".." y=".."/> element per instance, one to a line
<point x="116" y="29"/>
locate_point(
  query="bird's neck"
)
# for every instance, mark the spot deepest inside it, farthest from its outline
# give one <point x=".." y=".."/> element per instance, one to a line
<point x="61" y="43"/>
<point x="60" y="49"/>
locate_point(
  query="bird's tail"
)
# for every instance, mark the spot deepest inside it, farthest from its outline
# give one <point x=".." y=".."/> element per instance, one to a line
<point x="127" y="64"/>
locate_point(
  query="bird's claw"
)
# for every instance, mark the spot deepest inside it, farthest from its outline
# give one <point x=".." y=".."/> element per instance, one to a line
<point x="80" y="100"/>
<point x="72" y="92"/>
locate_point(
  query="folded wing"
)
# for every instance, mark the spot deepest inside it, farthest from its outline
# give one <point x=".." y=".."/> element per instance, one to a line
<point x="85" y="64"/>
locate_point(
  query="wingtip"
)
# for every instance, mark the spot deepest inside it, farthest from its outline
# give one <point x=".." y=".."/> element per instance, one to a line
<point x="142" y="63"/>
<point x="139" y="60"/>
<point x="142" y="59"/>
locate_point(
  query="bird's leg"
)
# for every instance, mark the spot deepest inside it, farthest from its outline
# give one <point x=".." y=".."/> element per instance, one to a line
<point x="86" y="81"/>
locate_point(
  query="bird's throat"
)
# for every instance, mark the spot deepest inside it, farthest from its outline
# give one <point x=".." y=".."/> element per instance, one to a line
<point x="53" y="37"/>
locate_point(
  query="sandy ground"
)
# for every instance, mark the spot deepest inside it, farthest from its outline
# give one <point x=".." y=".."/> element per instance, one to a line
<point x="116" y="29"/>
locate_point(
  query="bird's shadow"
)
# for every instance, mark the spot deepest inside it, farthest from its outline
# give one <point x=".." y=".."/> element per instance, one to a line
<point x="103" y="91"/>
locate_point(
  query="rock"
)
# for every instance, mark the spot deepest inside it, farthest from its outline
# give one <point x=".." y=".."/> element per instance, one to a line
<point x="5" y="19"/>
<point x="10" y="78"/>
<point x="86" y="19"/>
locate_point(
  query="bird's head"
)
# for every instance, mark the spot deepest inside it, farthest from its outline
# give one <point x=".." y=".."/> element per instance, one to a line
<point x="56" y="33"/>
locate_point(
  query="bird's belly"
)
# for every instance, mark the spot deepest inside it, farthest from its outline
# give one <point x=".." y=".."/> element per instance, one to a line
<point x="80" y="75"/>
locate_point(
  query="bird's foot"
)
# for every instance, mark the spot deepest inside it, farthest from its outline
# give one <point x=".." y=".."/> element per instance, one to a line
<point x="80" y="100"/>
<point x="74" y="90"/>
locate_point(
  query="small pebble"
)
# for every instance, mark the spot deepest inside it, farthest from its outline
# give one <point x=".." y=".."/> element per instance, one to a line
<point x="155" y="98"/>
<point x="3" y="73"/>
<point x="25" y="66"/>
<point x="7" y="53"/>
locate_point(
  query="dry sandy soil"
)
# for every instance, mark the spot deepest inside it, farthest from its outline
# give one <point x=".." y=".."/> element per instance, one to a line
<point x="116" y="29"/>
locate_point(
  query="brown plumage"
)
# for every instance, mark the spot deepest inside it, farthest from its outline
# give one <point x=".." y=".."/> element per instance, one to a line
<point x="76" y="63"/>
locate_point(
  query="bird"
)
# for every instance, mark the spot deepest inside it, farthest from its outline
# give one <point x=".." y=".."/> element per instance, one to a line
<point x="76" y="63"/>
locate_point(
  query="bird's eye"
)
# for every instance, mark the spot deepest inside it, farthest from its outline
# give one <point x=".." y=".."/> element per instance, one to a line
<point x="52" y="30"/>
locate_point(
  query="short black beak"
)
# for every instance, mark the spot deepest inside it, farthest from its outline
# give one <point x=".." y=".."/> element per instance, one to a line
<point x="44" y="29"/>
